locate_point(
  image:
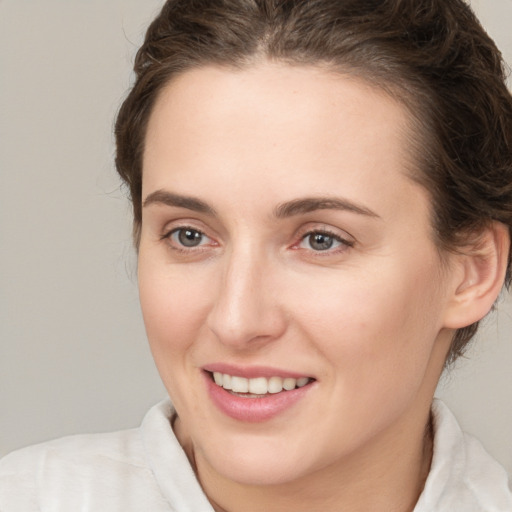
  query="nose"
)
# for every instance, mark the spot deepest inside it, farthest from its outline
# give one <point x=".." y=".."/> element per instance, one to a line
<point x="246" y="312"/>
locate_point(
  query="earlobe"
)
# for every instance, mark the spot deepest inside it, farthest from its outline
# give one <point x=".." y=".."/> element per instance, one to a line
<point x="482" y="267"/>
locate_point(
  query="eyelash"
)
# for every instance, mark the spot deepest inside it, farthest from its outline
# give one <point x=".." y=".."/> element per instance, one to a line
<point x="175" y="245"/>
<point x="344" y="244"/>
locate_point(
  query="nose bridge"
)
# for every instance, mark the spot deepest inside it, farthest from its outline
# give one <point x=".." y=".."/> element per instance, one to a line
<point x="245" y="307"/>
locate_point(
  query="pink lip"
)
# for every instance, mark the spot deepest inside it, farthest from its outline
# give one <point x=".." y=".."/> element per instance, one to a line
<point x="253" y="410"/>
<point x="251" y="372"/>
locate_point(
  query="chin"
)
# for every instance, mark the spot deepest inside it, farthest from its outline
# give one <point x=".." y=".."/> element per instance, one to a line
<point x="258" y="470"/>
<point x="257" y="460"/>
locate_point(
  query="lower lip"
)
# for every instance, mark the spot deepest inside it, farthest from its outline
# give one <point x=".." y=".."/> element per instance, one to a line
<point x="253" y="410"/>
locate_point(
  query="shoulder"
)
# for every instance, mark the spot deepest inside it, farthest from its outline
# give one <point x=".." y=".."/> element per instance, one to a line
<point x="96" y="471"/>
<point x="118" y="448"/>
<point x="32" y="475"/>
<point x="485" y="479"/>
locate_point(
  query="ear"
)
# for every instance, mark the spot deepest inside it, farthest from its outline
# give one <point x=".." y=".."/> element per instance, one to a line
<point x="479" y="276"/>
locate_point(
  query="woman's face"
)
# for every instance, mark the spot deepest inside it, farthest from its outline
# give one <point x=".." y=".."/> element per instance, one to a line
<point x="284" y="244"/>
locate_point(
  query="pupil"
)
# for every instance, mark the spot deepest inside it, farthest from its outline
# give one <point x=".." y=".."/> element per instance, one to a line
<point x="190" y="237"/>
<point x="321" y="242"/>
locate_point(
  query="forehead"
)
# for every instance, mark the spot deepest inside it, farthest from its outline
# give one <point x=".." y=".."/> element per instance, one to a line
<point x="274" y="124"/>
<point x="297" y="93"/>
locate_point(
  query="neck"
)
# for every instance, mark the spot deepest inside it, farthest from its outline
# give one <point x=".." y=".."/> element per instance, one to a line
<point x="388" y="474"/>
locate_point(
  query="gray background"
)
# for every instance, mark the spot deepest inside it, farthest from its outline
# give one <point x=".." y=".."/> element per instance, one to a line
<point x="73" y="354"/>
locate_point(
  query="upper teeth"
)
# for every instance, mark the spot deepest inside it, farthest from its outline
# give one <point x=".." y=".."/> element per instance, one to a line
<point x="259" y="385"/>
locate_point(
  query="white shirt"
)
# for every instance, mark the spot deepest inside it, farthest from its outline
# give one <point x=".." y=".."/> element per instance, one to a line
<point x="146" y="469"/>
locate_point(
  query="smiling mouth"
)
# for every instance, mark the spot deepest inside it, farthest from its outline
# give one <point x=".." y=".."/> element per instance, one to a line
<point x="257" y="387"/>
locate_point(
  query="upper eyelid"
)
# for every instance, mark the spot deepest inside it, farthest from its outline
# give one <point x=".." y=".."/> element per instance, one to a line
<point x="323" y="231"/>
<point x="340" y="239"/>
<point x="185" y="223"/>
<point x="170" y="231"/>
<point x="324" y="228"/>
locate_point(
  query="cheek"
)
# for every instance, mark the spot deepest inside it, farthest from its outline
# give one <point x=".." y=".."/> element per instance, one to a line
<point x="377" y="335"/>
<point x="173" y="307"/>
<point x="375" y="322"/>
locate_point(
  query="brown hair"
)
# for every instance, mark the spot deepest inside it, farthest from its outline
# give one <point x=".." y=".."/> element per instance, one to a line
<point x="432" y="55"/>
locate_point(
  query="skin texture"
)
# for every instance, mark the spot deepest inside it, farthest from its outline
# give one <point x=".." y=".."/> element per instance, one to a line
<point x="370" y="319"/>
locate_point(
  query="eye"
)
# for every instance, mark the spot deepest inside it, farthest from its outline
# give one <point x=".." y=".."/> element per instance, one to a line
<point x="322" y="241"/>
<point x="187" y="237"/>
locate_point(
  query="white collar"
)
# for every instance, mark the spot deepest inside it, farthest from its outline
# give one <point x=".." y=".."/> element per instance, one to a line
<point x="463" y="476"/>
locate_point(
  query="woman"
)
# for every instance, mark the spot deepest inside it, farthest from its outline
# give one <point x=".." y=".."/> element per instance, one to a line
<point x="322" y="199"/>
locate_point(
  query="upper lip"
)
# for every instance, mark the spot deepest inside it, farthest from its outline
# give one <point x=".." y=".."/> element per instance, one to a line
<point x="252" y="372"/>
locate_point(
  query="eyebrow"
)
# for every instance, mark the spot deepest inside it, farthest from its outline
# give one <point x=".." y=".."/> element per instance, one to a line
<point x="284" y="210"/>
<point x="311" y="204"/>
<point x="170" y="199"/>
